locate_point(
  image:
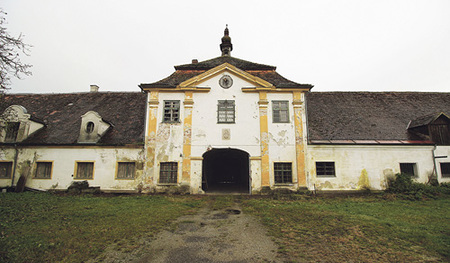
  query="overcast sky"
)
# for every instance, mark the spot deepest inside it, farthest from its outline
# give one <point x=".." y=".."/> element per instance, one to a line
<point x="336" y="45"/>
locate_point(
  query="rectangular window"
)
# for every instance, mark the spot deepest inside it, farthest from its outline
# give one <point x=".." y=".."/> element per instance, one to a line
<point x="325" y="169"/>
<point x="171" y="111"/>
<point x="225" y="111"/>
<point x="409" y="169"/>
<point x="280" y="111"/>
<point x="12" y="129"/>
<point x="168" y="173"/>
<point x="125" y="170"/>
<point x="43" y="170"/>
<point x="85" y="170"/>
<point x="445" y="170"/>
<point x="5" y="170"/>
<point x="283" y="173"/>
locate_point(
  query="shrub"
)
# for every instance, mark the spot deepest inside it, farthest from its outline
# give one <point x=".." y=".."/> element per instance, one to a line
<point x="404" y="186"/>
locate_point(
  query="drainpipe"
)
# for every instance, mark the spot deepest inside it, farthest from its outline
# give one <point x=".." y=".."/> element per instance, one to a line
<point x="15" y="164"/>
<point x="434" y="163"/>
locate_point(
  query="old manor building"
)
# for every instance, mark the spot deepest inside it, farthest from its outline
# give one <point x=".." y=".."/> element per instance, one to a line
<point x="223" y="125"/>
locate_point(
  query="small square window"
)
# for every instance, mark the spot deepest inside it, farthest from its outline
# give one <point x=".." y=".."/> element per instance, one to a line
<point x="125" y="170"/>
<point x="283" y="173"/>
<point x="226" y="111"/>
<point x="12" y="129"/>
<point x="5" y="170"/>
<point x="325" y="169"/>
<point x="445" y="170"/>
<point x="168" y="173"/>
<point x="85" y="170"/>
<point x="171" y="111"/>
<point x="43" y="170"/>
<point x="280" y="111"/>
<point x="409" y="169"/>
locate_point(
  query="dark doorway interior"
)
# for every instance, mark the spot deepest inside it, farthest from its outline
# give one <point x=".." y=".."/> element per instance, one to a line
<point x="226" y="170"/>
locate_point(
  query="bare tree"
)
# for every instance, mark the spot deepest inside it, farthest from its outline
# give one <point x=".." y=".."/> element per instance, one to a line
<point x="10" y="49"/>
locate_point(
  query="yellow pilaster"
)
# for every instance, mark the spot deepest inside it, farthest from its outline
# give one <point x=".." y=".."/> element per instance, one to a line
<point x="150" y="140"/>
<point x="264" y="142"/>
<point x="299" y="142"/>
<point x="187" y="133"/>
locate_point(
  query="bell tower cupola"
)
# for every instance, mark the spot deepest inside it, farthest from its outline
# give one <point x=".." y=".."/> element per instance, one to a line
<point x="226" y="47"/>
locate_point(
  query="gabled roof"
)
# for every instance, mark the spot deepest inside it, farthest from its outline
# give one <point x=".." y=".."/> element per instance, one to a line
<point x="376" y="116"/>
<point x="426" y="120"/>
<point x="187" y="71"/>
<point x="62" y="113"/>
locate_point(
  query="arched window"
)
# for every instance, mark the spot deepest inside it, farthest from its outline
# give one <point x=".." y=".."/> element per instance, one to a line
<point x="90" y="127"/>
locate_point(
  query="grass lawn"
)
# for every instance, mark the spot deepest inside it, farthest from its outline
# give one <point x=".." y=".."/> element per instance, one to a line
<point x="357" y="229"/>
<point x="41" y="227"/>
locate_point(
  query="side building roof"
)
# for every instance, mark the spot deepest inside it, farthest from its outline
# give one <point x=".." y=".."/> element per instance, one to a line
<point x="365" y="116"/>
<point x="61" y="114"/>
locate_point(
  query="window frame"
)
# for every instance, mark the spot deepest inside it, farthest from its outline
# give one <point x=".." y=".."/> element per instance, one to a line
<point x="277" y="109"/>
<point x="172" y="170"/>
<point x="172" y="108"/>
<point x="118" y="177"/>
<point x="414" y="167"/>
<point x="77" y="164"/>
<point x="282" y="169"/>
<point x="12" y="128"/>
<point x="222" y="107"/>
<point x="10" y="169"/>
<point x="328" y="171"/>
<point x="446" y="175"/>
<point x="35" y="175"/>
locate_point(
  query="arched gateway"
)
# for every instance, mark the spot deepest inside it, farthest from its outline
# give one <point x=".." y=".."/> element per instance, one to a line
<point x="226" y="171"/>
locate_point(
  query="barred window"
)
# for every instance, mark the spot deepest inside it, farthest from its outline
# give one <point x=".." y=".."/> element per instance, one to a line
<point x="125" y="170"/>
<point x="280" y="111"/>
<point x="43" y="170"/>
<point x="5" y="170"/>
<point x="85" y="170"/>
<point x="283" y="173"/>
<point x="171" y="111"/>
<point x="226" y="111"/>
<point x="445" y="170"/>
<point x="325" y="169"/>
<point x="409" y="169"/>
<point x="12" y="129"/>
<point x="168" y="173"/>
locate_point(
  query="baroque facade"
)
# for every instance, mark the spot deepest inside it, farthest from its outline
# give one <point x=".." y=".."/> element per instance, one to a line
<point x="224" y="125"/>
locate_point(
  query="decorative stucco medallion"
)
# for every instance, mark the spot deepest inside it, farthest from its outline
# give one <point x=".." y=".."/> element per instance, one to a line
<point x="226" y="81"/>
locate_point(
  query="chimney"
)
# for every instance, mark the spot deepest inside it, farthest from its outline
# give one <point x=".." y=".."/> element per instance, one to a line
<point x="94" y="88"/>
<point x="195" y="61"/>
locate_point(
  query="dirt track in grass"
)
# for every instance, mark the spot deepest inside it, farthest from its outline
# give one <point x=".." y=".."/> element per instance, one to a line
<point x="225" y="235"/>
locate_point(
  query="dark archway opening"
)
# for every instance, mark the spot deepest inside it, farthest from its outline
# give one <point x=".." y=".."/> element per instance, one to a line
<point x="226" y="171"/>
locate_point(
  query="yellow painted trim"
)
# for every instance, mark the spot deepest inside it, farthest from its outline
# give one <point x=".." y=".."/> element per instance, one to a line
<point x="299" y="142"/>
<point x="12" y="167"/>
<point x="196" y="158"/>
<point x="76" y="170"/>
<point x="35" y="170"/>
<point x="117" y="171"/>
<point x="264" y="138"/>
<point x="193" y="82"/>
<point x="287" y="90"/>
<point x="255" y="158"/>
<point x="187" y="133"/>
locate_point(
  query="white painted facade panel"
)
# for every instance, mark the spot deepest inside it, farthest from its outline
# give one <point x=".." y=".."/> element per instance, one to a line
<point x="380" y="162"/>
<point x="442" y="156"/>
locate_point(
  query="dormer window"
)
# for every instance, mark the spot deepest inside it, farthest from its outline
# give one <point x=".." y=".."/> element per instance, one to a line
<point x="16" y="124"/>
<point x="12" y="128"/>
<point x="93" y="127"/>
<point x="90" y="127"/>
<point x="435" y="127"/>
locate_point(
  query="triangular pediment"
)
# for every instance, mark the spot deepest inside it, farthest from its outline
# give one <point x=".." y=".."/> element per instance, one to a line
<point x="196" y="81"/>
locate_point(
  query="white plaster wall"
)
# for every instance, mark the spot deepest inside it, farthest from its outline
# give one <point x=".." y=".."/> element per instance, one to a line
<point x="105" y="163"/>
<point x="379" y="162"/>
<point x="206" y="132"/>
<point x="442" y="155"/>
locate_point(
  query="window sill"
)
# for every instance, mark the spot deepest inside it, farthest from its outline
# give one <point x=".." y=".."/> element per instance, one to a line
<point x="167" y="184"/>
<point x="325" y="176"/>
<point x="124" y="178"/>
<point x="284" y="184"/>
